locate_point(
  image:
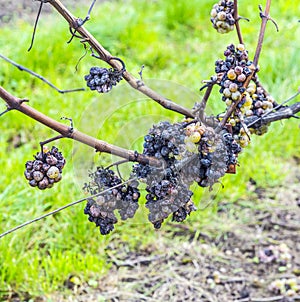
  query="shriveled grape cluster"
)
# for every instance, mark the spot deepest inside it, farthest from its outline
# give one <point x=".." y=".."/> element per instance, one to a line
<point x="103" y="79"/>
<point x="261" y="104"/>
<point x="191" y="152"/>
<point x="45" y="169"/>
<point x="234" y="70"/>
<point x="213" y="154"/>
<point x="167" y="193"/>
<point x="222" y="16"/>
<point x="123" y="198"/>
<point x="252" y="100"/>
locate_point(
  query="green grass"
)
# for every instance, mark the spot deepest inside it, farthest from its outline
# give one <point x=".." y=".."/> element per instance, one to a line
<point x="178" y="47"/>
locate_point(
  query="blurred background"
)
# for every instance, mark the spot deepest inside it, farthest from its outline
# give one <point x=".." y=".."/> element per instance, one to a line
<point x="64" y="257"/>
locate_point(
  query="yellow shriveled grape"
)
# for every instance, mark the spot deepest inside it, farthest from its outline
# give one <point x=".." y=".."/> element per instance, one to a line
<point x="240" y="47"/>
<point x="195" y="137"/>
<point x="53" y="172"/>
<point x="231" y="74"/>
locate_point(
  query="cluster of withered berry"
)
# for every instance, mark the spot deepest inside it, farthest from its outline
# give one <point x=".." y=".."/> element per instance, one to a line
<point x="103" y="79"/>
<point x="192" y="153"/>
<point x="167" y="192"/>
<point x="222" y="16"/>
<point x="45" y="169"/>
<point x="233" y="73"/>
<point x="211" y="154"/>
<point x="117" y="196"/>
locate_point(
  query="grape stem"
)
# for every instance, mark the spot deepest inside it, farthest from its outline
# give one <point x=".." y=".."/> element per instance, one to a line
<point x="265" y="17"/>
<point x="202" y="106"/>
<point x="237" y="18"/>
<point x="104" y="55"/>
<point x="101" y="146"/>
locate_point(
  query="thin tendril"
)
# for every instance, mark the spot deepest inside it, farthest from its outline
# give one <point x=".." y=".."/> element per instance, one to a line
<point x="35" y="25"/>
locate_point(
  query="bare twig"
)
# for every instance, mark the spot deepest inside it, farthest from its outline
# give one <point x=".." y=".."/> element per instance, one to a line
<point x="89" y="12"/>
<point x="42" y="144"/>
<point x="202" y="106"/>
<point x="70" y="120"/>
<point x="117" y="163"/>
<point x="22" y="68"/>
<point x="5" y="111"/>
<point x="60" y="209"/>
<point x="101" y="146"/>
<point x="141" y="72"/>
<point x="106" y="56"/>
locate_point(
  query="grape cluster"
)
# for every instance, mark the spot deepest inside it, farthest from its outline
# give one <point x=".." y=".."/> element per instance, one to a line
<point x="123" y="198"/>
<point x="167" y="191"/>
<point x="164" y="141"/>
<point x="103" y="79"/>
<point x="214" y="154"/>
<point x="261" y="104"/>
<point x="253" y="100"/>
<point x="45" y="169"/>
<point x="235" y="70"/>
<point x="166" y="196"/>
<point x="222" y="16"/>
<point x="191" y="152"/>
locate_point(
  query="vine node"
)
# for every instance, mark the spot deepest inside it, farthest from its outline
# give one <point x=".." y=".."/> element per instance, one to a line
<point x="79" y="23"/>
<point x="268" y="17"/>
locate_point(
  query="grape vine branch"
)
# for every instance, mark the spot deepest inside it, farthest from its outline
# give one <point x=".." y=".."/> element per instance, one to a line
<point x="101" y="146"/>
<point x="86" y="36"/>
<point x="198" y="149"/>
